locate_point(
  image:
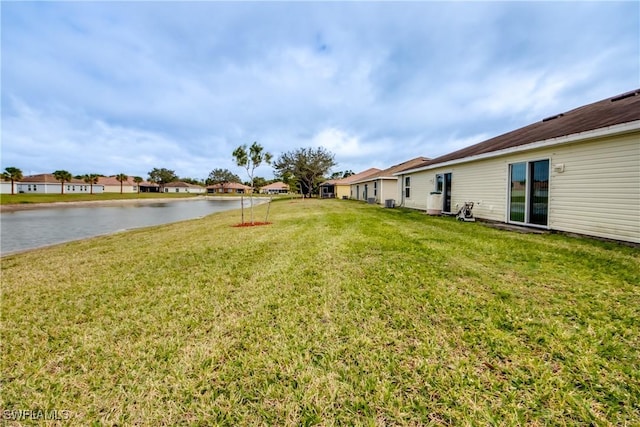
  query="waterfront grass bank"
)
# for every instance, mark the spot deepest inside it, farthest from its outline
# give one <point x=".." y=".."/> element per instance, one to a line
<point x="337" y="313"/>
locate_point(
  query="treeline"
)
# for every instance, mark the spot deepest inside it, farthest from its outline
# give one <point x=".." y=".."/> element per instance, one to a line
<point x="303" y="169"/>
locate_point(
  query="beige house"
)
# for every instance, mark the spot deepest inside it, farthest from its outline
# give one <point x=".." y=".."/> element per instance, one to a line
<point x="183" y="187"/>
<point x="229" y="188"/>
<point x="382" y="185"/>
<point x="576" y="172"/>
<point x="341" y="188"/>
<point x="112" y="185"/>
<point x="275" y="188"/>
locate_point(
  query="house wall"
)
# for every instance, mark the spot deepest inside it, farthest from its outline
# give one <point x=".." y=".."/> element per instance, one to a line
<point x="343" y="190"/>
<point x="54" y="188"/>
<point x="597" y="194"/>
<point x="126" y="188"/>
<point x="5" y="187"/>
<point x="388" y="190"/>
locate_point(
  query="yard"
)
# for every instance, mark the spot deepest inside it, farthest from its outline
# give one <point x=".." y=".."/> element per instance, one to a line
<point x="337" y="313"/>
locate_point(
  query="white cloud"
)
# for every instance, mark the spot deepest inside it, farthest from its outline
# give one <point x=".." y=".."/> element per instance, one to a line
<point x="128" y="86"/>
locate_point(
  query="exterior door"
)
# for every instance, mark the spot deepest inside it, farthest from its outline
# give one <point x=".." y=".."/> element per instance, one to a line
<point x="529" y="192"/>
<point x="446" y="193"/>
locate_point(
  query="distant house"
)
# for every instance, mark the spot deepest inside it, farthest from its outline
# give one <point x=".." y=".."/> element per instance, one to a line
<point x="112" y="185"/>
<point x="149" y="187"/>
<point x="229" y="188"/>
<point x="382" y="185"/>
<point x="5" y="187"/>
<point x="577" y="172"/>
<point x="183" y="187"/>
<point x="341" y="188"/>
<point x="275" y="188"/>
<point x="47" y="184"/>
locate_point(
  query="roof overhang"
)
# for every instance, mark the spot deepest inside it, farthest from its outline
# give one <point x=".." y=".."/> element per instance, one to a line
<point x="619" y="129"/>
<point x="374" y="179"/>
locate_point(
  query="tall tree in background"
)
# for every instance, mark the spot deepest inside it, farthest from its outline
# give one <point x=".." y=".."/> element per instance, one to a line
<point x="138" y="180"/>
<point x="62" y="176"/>
<point x="12" y="174"/>
<point x="121" y="178"/>
<point x="90" y="178"/>
<point x="220" y="176"/>
<point x="250" y="159"/>
<point x="307" y="165"/>
<point x="162" y="176"/>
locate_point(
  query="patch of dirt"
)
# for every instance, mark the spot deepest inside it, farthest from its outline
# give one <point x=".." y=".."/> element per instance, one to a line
<point x="248" y="224"/>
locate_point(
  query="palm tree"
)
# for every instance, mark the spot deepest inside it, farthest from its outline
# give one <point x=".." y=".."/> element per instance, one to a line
<point x="121" y="178"/>
<point x="138" y="180"/>
<point x="62" y="176"/>
<point x="12" y="174"/>
<point x="91" y="178"/>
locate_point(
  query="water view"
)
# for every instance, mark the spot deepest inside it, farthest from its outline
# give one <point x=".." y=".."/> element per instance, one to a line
<point x="29" y="229"/>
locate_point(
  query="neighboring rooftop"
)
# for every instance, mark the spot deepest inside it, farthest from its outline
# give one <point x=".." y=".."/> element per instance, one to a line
<point x="617" y="110"/>
<point x="388" y="173"/>
<point x="352" y="178"/>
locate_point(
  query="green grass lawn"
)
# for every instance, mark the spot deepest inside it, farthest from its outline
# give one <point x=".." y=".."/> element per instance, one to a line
<point x="8" y="199"/>
<point x="337" y="313"/>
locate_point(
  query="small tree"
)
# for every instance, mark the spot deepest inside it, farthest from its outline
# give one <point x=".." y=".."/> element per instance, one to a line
<point x="12" y="174"/>
<point x="250" y="159"/>
<point x="90" y="178"/>
<point x="121" y="178"/>
<point x="138" y="180"/>
<point x="62" y="176"/>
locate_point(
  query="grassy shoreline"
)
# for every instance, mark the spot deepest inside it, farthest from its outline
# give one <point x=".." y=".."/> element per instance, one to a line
<point x="337" y="313"/>
<point x="28" y="199"/>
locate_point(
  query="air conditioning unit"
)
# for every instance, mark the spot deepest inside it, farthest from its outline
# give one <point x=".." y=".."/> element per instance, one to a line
<point x="389" y="203"/>
<point x="371" y="200"/>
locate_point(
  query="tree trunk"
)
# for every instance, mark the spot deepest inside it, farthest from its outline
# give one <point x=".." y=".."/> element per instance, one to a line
<point x="12" y="192"/>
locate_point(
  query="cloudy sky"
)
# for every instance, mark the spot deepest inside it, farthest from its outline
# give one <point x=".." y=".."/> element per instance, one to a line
<point x="98" y="87"/>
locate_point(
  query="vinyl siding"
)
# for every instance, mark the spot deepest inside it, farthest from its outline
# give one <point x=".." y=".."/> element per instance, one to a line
<point x="343" y="190"/>
<point x="598" y="194"/>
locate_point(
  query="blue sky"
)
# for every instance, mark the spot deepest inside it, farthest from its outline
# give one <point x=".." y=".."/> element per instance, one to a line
<point x="124" y="87"/>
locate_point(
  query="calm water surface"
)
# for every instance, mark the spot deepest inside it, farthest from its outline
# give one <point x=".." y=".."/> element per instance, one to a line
<point x="31" y="229"/>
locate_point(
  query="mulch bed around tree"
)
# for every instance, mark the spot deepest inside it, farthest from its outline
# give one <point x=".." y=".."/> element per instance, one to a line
<point x="248" y="224"/>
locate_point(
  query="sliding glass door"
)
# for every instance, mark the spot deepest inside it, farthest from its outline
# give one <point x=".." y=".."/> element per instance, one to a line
<point x="529" y="192"/>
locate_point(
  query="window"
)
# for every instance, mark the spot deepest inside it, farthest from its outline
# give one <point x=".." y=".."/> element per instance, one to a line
<point x="375" y="188"/>
<point x="407" y="187"/>
<point x="439" y="183"/>
<point x="529" y="192"/>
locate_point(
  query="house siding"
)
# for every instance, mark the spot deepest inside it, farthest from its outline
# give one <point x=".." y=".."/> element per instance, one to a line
<point x="597" y="194"/>
<point x="342" y="191"/>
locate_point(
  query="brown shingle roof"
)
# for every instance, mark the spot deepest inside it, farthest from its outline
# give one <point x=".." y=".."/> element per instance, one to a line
<point x="275" y="186"/>
<point x="181" y="184"/>
<point x="409" y="164"/>
<point x="351" y="178"/>
<point x="620" y="109"/>
<point x="111" y="180"/>
<point x="49" y="178"/>
<point x="232" y="185"/>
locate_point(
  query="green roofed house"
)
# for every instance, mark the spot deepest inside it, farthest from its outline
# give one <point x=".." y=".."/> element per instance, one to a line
<point x="577" y="172"/>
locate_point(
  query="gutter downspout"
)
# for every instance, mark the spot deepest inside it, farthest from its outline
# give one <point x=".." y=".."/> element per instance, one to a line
<point x="402" y="190"/>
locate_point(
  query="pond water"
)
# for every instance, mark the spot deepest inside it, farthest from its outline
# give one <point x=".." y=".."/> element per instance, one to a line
<point x="29" y="229"/>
